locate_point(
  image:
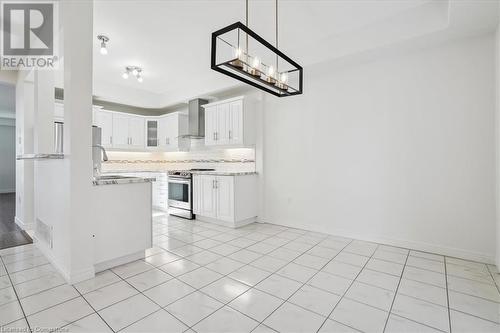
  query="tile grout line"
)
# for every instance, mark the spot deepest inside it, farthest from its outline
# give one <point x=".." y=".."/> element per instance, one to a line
<point x="494" y="281"/>
<point x="448" y="294"/>
<point x="305" y="283"/>
<point x="267" y="253"/>
<point x="417" y="322"/>
<point x="244" y="264"/>
<point x="126" y="298"/>
<point x="90" y="305"/>
<point x="349" y="287"/>
<point x="17" y="296"/>
<point x="250" y="287"/>
<point x="396" y="293"/>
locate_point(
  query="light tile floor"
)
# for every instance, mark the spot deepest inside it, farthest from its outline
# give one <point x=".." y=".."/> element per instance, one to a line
<point x="201" y="277"/>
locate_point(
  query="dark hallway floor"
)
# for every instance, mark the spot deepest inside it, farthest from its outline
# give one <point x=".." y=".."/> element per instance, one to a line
<point x="10" y="234"/>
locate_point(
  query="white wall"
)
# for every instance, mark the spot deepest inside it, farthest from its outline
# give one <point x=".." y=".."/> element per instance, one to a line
<point x="399" y="150"/>
<point x="8" y="158"/>
<point x="497" y="141"/>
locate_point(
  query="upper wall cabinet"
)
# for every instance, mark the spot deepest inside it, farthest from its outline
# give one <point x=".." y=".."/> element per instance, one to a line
<point x="128" y="131"/>
<point x="170" y="129"/>
<point x="104" y="120"/>
<point x="162" y="133"/>
<point x="152" y="133"/>
<point x="230" y="122"/>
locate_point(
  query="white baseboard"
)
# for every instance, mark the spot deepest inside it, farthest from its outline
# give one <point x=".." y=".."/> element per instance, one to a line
<point x="8" y="190"/>
<point x="102" y="266"/>
<point x="224" y="223"/>
<point x="408" y="244"/>
<point x="22" y="225"/>
<point x="70" y="277"/>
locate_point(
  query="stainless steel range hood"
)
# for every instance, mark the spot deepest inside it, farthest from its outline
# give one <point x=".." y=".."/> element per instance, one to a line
<point x="196" y="123"/>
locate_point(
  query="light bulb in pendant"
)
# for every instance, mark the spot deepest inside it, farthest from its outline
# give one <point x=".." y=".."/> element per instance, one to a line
<point x="237" y="53"/>
<point x="256" y="62"/>
<point x="284" y="77"/>
<point x="270" y="71"/>
<point x="139" y="78"/>
<point x="135" y="72"/>
<point x="125" y="75"/>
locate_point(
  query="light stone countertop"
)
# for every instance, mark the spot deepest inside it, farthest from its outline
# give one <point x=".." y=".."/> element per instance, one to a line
<point x="214" y="173"/>
<point x="122" y="180"/>
<point x="224" y="173"/>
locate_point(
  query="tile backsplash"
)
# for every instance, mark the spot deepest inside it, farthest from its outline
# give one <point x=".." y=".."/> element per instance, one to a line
<point x="234" y="159"/>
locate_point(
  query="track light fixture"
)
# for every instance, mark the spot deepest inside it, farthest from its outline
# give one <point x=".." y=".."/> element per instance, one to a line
<point x="103" y="39"/>
<point x="135" y="71"/>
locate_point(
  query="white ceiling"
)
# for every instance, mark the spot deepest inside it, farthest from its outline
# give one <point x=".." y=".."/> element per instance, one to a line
<point x="170" y="40"/>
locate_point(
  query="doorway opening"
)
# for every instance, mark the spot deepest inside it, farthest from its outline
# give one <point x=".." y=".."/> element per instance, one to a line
<point x="10" y="233"/>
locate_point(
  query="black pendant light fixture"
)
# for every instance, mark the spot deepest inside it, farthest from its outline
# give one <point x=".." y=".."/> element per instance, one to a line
<point x="240" y="53"/>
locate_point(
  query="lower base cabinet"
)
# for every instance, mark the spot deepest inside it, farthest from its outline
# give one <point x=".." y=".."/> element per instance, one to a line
<point x="159" y="188"/>
<point x="226" y="200"/>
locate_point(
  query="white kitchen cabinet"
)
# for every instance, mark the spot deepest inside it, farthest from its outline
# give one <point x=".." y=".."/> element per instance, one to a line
<point x="121" y="136"/>
<point x="152" y="133"/>
<point x="236" y="122"/>
<point x="104" y="120"/>
<point x="171" y="127"/>
<point x="159" y="187"/>
<point x="226" y="200"/>
<point x="136" y="132"/>
<point x="230" y="123"/>
<point x="204" y="196"/>
<point x="224" y="188"/>
<point x="128" y="131"/>
<point x="123" y="131"/>
<point x="160" y="191"/>
<point x="210" y="125"/>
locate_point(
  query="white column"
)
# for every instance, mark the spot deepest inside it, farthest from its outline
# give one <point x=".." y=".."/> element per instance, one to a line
<point x="24" y="145"/>
<point x="77" y="19"/>
<point x="43" y="129"/>
<point x="497" y="144"/>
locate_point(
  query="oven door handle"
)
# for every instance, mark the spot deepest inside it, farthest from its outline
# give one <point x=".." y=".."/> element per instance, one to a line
<point x="179" y="181"/>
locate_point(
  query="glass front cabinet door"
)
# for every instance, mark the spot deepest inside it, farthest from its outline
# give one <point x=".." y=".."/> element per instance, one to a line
<point x="152" y="133"/>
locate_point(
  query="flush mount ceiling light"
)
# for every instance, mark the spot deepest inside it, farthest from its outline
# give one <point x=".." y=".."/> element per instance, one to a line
<point x="135" y="71"/>
<point x="104" y="40"/>
<point x="240" y="53"/>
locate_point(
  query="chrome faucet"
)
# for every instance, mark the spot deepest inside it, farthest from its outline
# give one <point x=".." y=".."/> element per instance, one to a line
<point x="104" y="155"/>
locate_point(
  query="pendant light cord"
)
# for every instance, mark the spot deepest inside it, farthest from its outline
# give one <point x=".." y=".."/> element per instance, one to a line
<point x="276" y="23"/>
<point x="246" y="23"/>
<point x="276" y="34"/>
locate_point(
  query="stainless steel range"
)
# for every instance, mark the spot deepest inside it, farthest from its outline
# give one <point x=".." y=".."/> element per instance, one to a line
<point x="180" y="193"/>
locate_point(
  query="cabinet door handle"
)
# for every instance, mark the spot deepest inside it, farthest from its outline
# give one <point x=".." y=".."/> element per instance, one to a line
<point x="230" y="134"/>
<point x="213" y="183"/>
<point x="214" y="136"/>
<point x="111" y="140"/>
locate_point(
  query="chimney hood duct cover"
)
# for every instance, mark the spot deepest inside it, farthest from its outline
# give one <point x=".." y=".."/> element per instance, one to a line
<point x="196" y="122"/>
